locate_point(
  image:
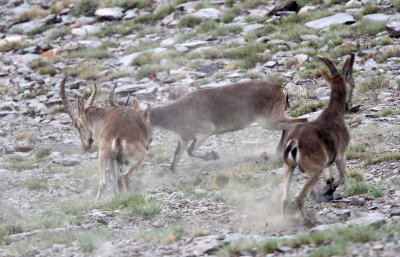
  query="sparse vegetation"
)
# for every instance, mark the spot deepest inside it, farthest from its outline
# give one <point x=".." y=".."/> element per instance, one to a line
<point x="189" y="21"/>
<point x="10" y="46"/>
<point x="385" y="158"/>
<point x="59" y="32"/>
<point x="299" y="108"/>
<point x="84" y="70"/>
<point x="32" y="14"/>
<point x="34" y="184"/>
<point x="354" y="186"/>
<point x="40" y="30"/>
<point x="135" y="204"/>
<point x="372" y="84"/>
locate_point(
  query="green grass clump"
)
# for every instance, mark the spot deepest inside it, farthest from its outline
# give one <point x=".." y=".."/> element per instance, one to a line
<point x="34" y="184"/>
<point x="31" y="14"/>
<point x="59" y="32"/>
<point x="189" y="21"/>
<point x="10" y="46"/>
<point x="42" y="153"/>
<point x="90" y="53"/>
<point x="228" y="16"/>
<point x="48" y="70"/>
<point x="85" y="7"/>
<point x="120" y="30"/>
<point x="84" y="70"/>
<point x="207" y="26"/>
<point x="40" y="30"/>
<point x="354" y="186"/>
<point x="226" y="30"/>
<point x="371" y="28"/>
<point x="356" y="174"/>
<point x="87" y="240"/>
<point x="161" y="13"/>
<point x="276" y="78"/>
<point x="341" y="51"/>
<point x="301" y="107"/>
<point x="136" y="204"/>
<point x="18" y="162"/>
<point x="357" y="151"/>
<point x="130" y="4"/>
<point x="386" y="158"/>
<point x="373" y="84"/>
<point x="149" y="71"/>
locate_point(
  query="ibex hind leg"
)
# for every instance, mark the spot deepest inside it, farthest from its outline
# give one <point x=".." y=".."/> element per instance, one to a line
<point x="134" y="165"/>
<point x="197" y="142"/>
<point x="102" y="182"/>
<point x="113" y="175"/>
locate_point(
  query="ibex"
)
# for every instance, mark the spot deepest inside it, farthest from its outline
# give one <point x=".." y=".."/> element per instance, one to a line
<point x="205" y="112"/>
<point x="318" y="144"/>
<point x="119" y="132"/>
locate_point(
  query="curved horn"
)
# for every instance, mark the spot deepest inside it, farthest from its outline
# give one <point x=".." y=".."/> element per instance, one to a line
<point x="127" y="100"/>
<point x="67" y="104"/>
<point x="91" y="97"/>
<point x="330" y="66"/>
<point x="111" y="95"/>
<point x="348" y="66"/>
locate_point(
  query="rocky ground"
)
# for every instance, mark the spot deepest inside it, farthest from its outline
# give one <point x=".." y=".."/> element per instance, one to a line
<point x="158" y="51"/>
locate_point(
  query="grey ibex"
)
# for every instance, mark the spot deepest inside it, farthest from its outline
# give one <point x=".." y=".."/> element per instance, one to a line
<point x="316" y="145"/>
<point x="205" y="112"/>
<point x="119" y="132"/>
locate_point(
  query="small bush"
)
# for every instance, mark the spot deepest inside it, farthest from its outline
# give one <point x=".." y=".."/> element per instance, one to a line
<point x="228" y="16"/>
<point x="85" y="7"/>
<point x="84" y="70"/>
<point x="59" y="32"/>
<point x="207" y="26"/>
<point x="189" y="21"/>
<point x="222" y="179"/>
<point x="356" y="174"/>
<point x="372" y="85"/>
<point x="42" y="154"/>
<point x="32" y="14"/>
<point x="10" y="46"/>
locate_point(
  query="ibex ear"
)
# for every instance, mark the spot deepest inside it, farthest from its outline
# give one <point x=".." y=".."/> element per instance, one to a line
<point x="81" y="105"/>
<point x="135" y="104"/>
<point x="348" y="68"/>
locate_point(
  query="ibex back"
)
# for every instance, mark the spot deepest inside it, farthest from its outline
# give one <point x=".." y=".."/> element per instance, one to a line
<point x="205" y="112"/>
<point x="119" y="132"/>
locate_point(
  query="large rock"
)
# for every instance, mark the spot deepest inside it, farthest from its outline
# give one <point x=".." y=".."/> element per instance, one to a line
<point x="393" y="29"/>
<point x="340" y="18"/>
<point x="115" y="13"/>
<point x="208" y="13"/>
<point x="377" y="17"/>
<point x="124" y="90"/>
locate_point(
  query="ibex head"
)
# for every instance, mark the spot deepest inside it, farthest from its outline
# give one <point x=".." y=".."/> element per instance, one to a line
<point x="346" y="77"/>
<point x="79" y="119"/>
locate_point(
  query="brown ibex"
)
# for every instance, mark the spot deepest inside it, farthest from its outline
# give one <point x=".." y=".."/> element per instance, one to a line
<point x="211" y="111"/>
<point x="119" y="132"/>
<point x="316" y="145"/>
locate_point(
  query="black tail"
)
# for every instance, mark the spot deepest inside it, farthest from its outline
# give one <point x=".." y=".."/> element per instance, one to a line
<point x="291" y="148"/>
<point x="119" y="151"/>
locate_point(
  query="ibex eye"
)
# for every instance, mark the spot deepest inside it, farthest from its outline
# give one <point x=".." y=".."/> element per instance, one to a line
<point x="90" y="141"/>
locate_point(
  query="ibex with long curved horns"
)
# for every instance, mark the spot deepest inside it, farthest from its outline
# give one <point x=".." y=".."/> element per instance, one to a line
<point x="317" y="145"/>
<point x="119" y="132"/>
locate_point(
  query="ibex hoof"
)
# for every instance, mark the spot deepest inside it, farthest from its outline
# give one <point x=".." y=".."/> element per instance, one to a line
<point x="329" y="189"/>
<point x="215" y="155"/>
<point x="309" y="222"/>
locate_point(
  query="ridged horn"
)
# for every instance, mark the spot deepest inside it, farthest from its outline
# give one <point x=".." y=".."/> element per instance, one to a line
<point x="111" y="95"/>
<point x="91" y="97"/>
<point x="67" y="104"/>
<point x="330" y="65"/>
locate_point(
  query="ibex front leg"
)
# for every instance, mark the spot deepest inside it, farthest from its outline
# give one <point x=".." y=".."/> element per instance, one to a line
<point x="102" y="182"/>
<point x="197" y="142"/>
<point x="182" y="146"/>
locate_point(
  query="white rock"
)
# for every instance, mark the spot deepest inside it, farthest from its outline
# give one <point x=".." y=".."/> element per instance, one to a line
<point x="114" y="13"/>
<point x="301" y="58"/>
<point x="270" y="64"/>
<point x="306" y="9"/>
<point x="340" y="18"/>
<point x="376" y="17"/>
<point x="208" y="13"/>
